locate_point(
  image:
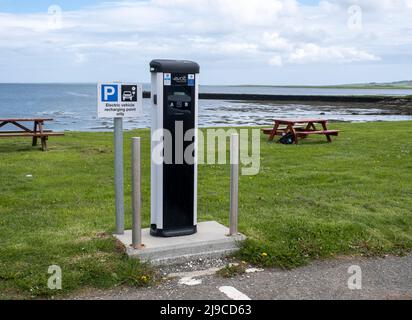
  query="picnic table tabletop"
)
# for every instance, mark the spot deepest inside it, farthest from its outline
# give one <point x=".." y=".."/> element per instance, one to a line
<point x="25" y="119"/>
<point x="292" y="121"/>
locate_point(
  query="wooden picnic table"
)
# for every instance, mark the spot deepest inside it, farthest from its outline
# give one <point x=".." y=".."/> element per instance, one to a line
<point x="300" y="128"/>
<point x="38" y="132"/>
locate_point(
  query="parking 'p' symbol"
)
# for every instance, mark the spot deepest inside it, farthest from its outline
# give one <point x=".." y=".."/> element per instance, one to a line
<point x="110" y="93"/>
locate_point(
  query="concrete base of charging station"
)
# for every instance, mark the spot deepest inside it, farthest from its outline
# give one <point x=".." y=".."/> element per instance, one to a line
<point x="210" y="241"/>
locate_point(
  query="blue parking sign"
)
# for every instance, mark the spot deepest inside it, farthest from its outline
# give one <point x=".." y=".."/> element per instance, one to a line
<point x="110" y="93"/>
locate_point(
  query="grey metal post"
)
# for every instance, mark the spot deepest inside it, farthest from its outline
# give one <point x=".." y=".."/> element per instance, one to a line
<point x="234" y="183"/>
<point x="136" y="195"/>
<point x="118" y="174"/>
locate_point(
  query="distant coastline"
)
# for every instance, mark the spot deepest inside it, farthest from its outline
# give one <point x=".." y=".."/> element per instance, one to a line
<point x="354" y="87"/>
<point x="398" y="85"/>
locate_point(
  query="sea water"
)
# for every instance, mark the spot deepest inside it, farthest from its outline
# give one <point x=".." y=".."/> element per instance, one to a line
<point x="73" y="106"/>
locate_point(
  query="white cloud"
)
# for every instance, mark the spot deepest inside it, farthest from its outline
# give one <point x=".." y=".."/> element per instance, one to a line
<point x="309" y="53"/>
<point x="276" y="61"/>
<point x="274" y="42"/>
<point x="246" y="12"/>
<point x="250" y="34"/>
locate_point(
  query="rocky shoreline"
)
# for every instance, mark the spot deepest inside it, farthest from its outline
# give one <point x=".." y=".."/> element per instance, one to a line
<point x="395" y="105"/>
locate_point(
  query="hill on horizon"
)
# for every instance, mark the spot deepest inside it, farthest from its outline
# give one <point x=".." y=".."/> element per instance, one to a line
<point x="404" y="84"/>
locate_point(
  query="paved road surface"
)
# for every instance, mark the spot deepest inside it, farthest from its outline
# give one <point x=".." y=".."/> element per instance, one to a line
<point x="382" y="278"/>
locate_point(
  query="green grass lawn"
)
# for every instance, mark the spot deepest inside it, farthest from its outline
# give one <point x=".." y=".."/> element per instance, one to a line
<point x="314" y="200"/>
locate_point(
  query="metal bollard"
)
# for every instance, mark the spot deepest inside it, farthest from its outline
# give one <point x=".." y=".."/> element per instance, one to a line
<point x="234" y="183"/>
<point x="136" y="195"/>
<point x="118" y="175"/>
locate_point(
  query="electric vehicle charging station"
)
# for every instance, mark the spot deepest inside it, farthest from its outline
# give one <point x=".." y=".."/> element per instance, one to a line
<point x="174" y="104"/>
<point x="174" y="235"/>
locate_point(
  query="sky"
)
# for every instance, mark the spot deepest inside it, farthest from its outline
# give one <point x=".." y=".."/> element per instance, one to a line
<point x="267" y="42"/>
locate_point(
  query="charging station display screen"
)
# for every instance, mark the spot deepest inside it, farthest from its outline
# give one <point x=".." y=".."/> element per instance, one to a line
<point x="179" y="93"/>
<point x="179" y="99"/>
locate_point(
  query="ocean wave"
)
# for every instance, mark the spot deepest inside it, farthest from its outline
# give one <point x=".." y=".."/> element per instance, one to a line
<point x="56" y="113"/>
<point x="77" y="94"/>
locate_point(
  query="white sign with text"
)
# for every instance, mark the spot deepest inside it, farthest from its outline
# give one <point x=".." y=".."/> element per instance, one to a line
<point x="119" y="100"/>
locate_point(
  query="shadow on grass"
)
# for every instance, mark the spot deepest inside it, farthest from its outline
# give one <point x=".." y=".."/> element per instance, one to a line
<point x="301" y="142"/>
<point x="6" y="148"/>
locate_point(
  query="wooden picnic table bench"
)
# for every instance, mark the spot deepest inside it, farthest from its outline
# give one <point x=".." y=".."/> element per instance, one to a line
<point x="38" y="131"/>
<point x="300" y="128"/>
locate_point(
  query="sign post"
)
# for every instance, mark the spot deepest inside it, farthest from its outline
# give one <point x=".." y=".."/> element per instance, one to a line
<point x="119" y="100"/>
<point x="119" y="174"/>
